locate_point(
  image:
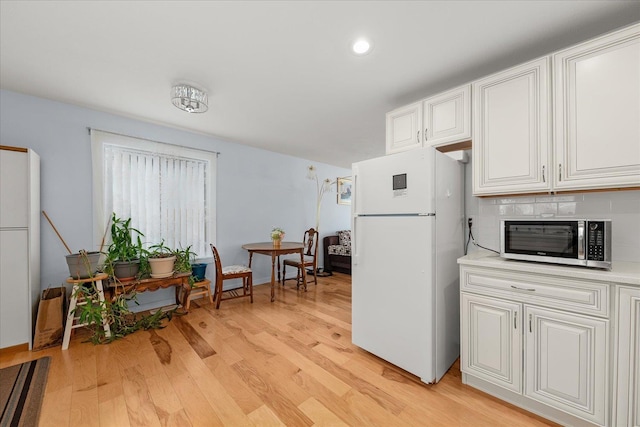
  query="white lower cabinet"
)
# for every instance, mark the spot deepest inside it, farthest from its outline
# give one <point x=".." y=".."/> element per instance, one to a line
<point x="547" y="356"/>
<point x="566" y="362"/>
<point x="492" y="340"/>
<point x="627" y="365"/>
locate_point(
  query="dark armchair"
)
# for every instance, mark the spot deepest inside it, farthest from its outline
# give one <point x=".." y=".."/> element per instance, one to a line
<point x="337" y="252"/>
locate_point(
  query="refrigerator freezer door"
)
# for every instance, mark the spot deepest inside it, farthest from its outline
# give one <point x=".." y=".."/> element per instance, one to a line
<point x="400" y="183"/>
<point x="392" y="290"/>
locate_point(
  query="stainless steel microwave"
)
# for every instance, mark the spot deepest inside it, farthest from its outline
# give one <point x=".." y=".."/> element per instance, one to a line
<point x="583" y="242"/>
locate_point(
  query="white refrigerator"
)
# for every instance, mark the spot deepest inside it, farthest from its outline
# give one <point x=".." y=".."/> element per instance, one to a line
<point x="407" y="225"/>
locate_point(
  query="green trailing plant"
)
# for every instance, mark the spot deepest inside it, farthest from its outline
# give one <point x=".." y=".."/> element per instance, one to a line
<point x="184" y="257"/>
<point x="160" y="250"/>
<point x="121" y="320"/>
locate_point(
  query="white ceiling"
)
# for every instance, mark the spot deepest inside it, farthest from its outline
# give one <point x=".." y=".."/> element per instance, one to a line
<point x="280" y="74"/>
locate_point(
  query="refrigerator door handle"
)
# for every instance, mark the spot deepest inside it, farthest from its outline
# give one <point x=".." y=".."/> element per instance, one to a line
<point x="354" y="251"/>
<point x="355" y="191"/>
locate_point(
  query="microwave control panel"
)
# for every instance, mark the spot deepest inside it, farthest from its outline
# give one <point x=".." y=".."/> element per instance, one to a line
<point x="595" y="241"/>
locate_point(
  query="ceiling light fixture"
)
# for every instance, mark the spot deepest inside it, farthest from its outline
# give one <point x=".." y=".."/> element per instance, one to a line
<point x="189" y="98"/>
<point x="361" y="47"/>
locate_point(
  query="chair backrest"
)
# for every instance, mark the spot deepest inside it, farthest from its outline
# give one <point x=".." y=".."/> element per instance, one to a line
<point x="310" y="241"/>
<point x="216" y="260"/>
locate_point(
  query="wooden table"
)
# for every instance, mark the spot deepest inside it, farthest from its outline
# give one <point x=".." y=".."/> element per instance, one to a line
<point x="179" y="280"/>
<point x="267" y="248"/>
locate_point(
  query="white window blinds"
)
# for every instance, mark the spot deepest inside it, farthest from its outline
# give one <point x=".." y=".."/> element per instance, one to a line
<point x="168" y="191"/>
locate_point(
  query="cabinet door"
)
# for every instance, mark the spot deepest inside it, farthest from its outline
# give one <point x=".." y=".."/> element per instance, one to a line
<point x="627" y="382"/>
<point x="511" y="130"/>
<point x="447" y="117"/>
<point x="491" y="340"/>
<point x="597" y="111"/>
<point x="14" y="196"/>
<point x="15" y="324"/>
<point x="566" y="362"/>
<point x="404" y="128"/>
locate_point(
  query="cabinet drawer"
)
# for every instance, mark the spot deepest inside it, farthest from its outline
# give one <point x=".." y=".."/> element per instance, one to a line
<point x="582" y="296"/>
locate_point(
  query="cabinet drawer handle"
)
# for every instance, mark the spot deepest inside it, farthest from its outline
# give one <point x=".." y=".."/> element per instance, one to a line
<point x="515" y="320"/>
<point x="530" y="327"/>
<point x="560" y="172"/>
<point x="418" y="137"/>
<point x="425" y="133"/>
<point x="524" y="289"/>
<point x="543" y="177"/>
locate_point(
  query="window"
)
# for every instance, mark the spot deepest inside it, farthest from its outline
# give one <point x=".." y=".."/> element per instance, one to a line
<point x="168" y="191"/>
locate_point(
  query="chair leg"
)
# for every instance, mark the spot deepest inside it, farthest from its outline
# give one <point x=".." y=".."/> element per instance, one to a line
<point x="210" y="295"/>
<point x="284" y="273"/>
<point x="218" y="293"/>
<point x="250" y="281"/>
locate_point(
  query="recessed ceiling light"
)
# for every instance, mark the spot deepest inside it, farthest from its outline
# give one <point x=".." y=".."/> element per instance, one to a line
<point x="361" y="47"/>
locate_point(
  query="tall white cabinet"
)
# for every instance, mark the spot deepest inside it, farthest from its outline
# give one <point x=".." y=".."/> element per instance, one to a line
<point x="19" y="244"/>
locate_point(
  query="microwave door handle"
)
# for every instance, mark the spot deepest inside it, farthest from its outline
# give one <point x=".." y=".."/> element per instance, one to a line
<point x="581" y="227"/>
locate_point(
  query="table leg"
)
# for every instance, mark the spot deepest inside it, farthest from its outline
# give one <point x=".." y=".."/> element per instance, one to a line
<point x="278" y="268"/>
<point x="250" y="257"/>
<point x="185" y="298"/>
<point x="304" y="270"/>
<point x="273" y="276"/>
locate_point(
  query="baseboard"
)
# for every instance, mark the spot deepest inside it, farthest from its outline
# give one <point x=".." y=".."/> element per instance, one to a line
<point x="14" y="349"/>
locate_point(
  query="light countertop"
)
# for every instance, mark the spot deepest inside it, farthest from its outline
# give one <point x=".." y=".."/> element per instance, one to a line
<point x="627" y="273"/>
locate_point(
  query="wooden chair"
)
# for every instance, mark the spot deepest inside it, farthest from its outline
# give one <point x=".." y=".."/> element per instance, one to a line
<point x="231" y="272"/>
<point x="310" y="241"/>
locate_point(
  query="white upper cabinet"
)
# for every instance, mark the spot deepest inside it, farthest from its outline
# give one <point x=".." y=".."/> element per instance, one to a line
<point x="597" y="112"/>
<point x="511" y="130"/>
<point x="440" y="120"/>
<point x="404" y="126"/>
<point x="447" y="117"/>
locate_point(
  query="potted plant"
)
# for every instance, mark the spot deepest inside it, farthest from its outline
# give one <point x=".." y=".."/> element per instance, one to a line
<point x="161" y="260"/>
<point x="123" y="254"/>
<point x="277" y="234"/>
<point x="83" y="264"/>
<point x="183" y="259"/>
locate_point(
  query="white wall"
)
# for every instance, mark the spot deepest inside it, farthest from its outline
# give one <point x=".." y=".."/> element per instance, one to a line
<point x="256" y="189"/>
<point x="622" y="207"/>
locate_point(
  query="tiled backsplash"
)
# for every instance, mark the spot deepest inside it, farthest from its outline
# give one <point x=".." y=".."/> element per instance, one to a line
<point x="622" y="207"/>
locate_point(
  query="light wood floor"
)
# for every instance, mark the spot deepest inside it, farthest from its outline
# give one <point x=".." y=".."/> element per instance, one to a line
<point x="290" y="362"/>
